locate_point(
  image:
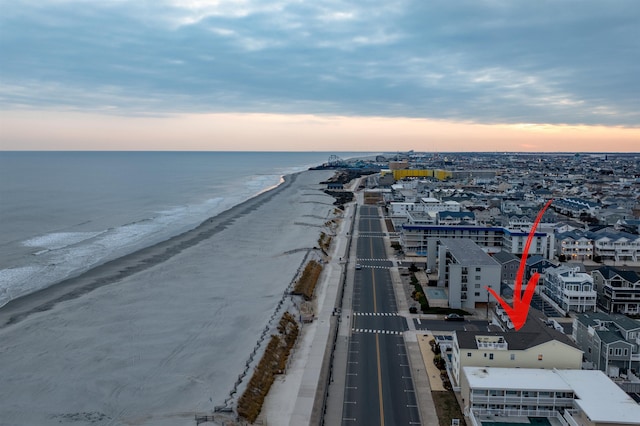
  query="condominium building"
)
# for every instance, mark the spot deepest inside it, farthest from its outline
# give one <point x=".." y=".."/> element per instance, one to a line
<point x="535" y="345"/>
<point x="618" y="290"/>
<point x="414" y="238"/>
<point x="609" y="342"/>
<point x="571" y="289"/>
<point x="574" y="246"/>
<point x="568" y="397"/>
<point x="467" y="270"/>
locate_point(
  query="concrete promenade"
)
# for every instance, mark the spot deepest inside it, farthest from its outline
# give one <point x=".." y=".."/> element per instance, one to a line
<point x="313" y="391"/>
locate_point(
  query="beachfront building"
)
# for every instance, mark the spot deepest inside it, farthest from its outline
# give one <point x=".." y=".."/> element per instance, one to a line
<point x="467" y="270"/>
<point x="610" y="342"/>
<point x="570" y="289"/>
<point x="414" y="237"/>
<point x="568" y="397"/>
<point x="535" y="345"/>
<point x="618" y="290"/>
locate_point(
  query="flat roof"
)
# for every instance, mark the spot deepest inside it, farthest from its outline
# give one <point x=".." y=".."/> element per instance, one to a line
<point x="600" y="398"/>
<point x="515" y="379"/>
<point x="597" y="396"/>
<point x="468" y="252"/>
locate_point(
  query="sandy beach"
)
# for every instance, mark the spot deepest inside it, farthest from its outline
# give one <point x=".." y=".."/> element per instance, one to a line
<point x="155" y="336"/>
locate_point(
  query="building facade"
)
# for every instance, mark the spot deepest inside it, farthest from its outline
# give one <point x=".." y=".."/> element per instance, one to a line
<point x="609" y="342"/>
<point x="467" y="271"/>
<point x="618" y="290"/>
<point x="571" y="289"/>
<point x="570" y="397"/>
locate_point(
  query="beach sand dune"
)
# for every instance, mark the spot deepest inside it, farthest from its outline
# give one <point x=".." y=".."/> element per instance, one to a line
<point x="158" y="335"/>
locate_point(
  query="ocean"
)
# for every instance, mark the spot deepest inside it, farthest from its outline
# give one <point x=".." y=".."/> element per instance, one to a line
<point x="62" y="213"/>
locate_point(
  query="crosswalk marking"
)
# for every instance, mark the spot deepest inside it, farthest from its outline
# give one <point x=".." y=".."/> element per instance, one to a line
<point x="375" y="267"/>
<point x="376" y="314"/>
<point x="360" y="259"/>
<point x="362" y="330"/>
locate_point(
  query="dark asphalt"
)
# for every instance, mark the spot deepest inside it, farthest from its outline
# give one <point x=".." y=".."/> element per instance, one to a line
<point x="379" y="388"/>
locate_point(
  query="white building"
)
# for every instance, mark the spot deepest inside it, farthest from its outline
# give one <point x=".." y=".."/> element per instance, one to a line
<point x="467" y="270"/>
<point x="570" y="397"/>
<point x="571" y="289"/>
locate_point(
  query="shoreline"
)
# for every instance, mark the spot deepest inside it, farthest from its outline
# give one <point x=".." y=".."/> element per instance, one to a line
<point x="171" y="337"/>
<point x="124" y="266"/>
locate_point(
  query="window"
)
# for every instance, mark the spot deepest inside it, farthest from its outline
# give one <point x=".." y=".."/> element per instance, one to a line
<point x="626" y="352"/>
<point x="513" y="357"/>
<point x="478" y="277"/>
<point x="477" y="293"/>
<point x="478" y="269"/>
<point x="490" y="356"/>
<point x="618" y="351"/>
<point x="539" y="357"/>
<point x="477" y="285"/>
<point x="468" y="354"/>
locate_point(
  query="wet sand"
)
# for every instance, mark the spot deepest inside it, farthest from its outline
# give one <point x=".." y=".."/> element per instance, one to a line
<point x="162" y="333"/>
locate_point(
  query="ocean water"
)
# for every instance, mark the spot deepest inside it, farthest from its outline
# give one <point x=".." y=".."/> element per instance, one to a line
<point x="62" y="213"/>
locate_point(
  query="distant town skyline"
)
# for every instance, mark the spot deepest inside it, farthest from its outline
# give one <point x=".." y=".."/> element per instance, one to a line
<point x="320" y="76"/>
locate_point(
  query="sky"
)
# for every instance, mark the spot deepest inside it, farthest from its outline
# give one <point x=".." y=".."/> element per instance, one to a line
<point x="323" y="75"/>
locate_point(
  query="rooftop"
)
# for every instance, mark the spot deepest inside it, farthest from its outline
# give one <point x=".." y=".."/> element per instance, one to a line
<point x="534" y="332"/>
<point x="467" y="252"/>
<point x="596" y="395"/>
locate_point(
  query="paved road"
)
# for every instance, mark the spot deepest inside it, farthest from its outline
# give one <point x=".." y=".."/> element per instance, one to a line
<point x="378" y="388"/>
<point x="441" y="325"/>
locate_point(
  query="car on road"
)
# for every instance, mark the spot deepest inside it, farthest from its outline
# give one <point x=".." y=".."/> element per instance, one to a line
<point x="358" y="266"/>
<point x="453" y="317"/>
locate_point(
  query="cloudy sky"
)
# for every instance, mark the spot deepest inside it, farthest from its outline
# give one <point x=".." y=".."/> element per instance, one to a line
<point x="449" y="75"/>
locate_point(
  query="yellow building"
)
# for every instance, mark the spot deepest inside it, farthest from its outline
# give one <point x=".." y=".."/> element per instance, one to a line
<point x="399" y="174"/>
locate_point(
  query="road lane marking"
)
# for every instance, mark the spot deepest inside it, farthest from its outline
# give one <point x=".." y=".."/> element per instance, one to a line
<point x="379" y="381"/>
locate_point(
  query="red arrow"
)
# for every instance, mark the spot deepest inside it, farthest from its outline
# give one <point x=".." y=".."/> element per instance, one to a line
<point x="518" y="313"/>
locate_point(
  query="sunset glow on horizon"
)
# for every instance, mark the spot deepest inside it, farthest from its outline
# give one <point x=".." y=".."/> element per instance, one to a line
<point x="311" y="75"/>
<point x="54" y="130"/>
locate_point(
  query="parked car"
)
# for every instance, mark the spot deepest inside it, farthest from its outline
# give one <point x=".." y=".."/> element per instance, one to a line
<point x="453" y="317"/>
<point x="358" y="266"/>
<point x="413" y="310"/>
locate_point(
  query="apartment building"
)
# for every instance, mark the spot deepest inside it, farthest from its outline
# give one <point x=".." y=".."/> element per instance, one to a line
<point x="414" y="238"/>
<point x="609" y="341"/>
<point x="535" y="345"/>
<point x="514" y="241"/>
<point x="618" y="290"/>
<point x="569" y="397"/>
<point x="602" y="246"/>
<point x="467" y="270"/>
<point x="570" y="288"/>
<point x="574" y="246"/>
